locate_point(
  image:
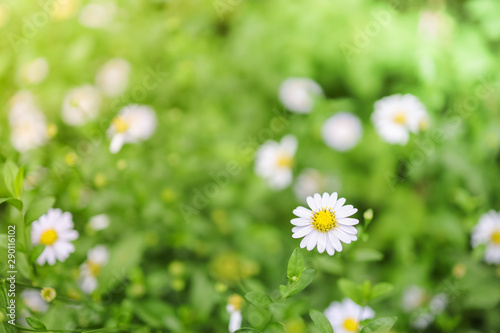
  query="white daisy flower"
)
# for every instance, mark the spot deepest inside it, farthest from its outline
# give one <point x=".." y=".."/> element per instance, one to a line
<point x="97" y="15"/>
<point x="34" y="71"/>
<point x="326" y="224"/>
<point x="413" y="298"/>
<point x="80" y="105"/>
<point x="133" y="124"/>
<point x="112" y="77"/>
<point x="274" y="161"/>
<point x="96" y="258"/>
<point x="234" y="304"/>
<point x="99" y="222"/>
<point x="487" y="231"/>
<point x="298" y="94"/>
<point x="55" y="231"/>
<point x="342" y="131"/>
<point x="27" y="123"/>
<point x="34" y="301"/>
<point x="346" y="316"/>
<point x="398" y="115"/>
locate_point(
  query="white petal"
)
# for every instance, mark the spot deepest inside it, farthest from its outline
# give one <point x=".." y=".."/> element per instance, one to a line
<point x="317" y="200"/>
<point x="300" y="221"/>
<point x="302" y="212"/>
<point x="332" y="200"/>
<point x="116" y="143"/>
<point x="347" y="221"/>
<point x="305" y="240"/>
<point x="324" y="200"/>
<point x="342" y="236"/>
<point x="329" y="247"/>
<point x="339" y="203"/>
<point x="335" y="241"/>
<point x="345" y="212"/>
<point x="348" y="229"/>
<point x="321" y="242"/>
<point x="312" y="203"/>
<point x="313" y="240"/>
<point x="300" y="232"/>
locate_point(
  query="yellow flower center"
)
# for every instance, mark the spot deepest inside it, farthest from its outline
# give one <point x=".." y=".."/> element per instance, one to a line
<point x="351" y="324"/>
<point x="400" y="118"/>
<point x="284" y="161"/>
<point x="236" y="301"/>
<point x="495" y="237"/>
<point x="324" y="220"/>
<point x="120" y="125"/>
<point x="94" y="268"/>
<point x="48" y="237"/>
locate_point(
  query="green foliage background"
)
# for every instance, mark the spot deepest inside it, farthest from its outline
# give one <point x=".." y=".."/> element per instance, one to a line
<point x="178" y="252"/>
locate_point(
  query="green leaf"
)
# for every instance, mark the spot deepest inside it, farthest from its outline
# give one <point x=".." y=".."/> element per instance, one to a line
<point x="366" y="289"/>
<point x="350" y="289"/>
<point x="10" y="171"/>
<point x="18" y="204"/>
<point x="247" y="330"/>
<point x="258" y="299"/>
<point x="368" y="255"/>
<point x="38" y="208"/>
<point x="296" y="265"/>
<point x="19" y="183"/>
<point x="381" y="289"/>
<point x="36" y="324"/>
<point x="36" y="251"/>
<point x="305" y="279"/>
<point x="381" y="325"/>
<point x="321" y="322"/>
<point x="23" y="266"/>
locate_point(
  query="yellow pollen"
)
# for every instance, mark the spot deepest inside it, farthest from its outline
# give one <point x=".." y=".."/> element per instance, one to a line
<point x="94" y="268"/>
<point x="495" y="237"/>
<point x="48" y="237"/>
<point x="324" y="220"/>
<point x="284" y="161"/>
<point x="351" y="324"/>
<point x="400" y="118"/>
<point x="120" y="125"/>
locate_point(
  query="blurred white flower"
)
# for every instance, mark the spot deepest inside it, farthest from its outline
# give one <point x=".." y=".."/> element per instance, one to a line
<point x="311" y="181"/>
<point x="274" y="161"/>
<point x="34" y="301"/>
<point x="487" y="231"/>
<point x="345" y="316"/>
<point x="97" y="15"/>
<point x="112" y="77"/>
<point x="80" y="105"/>
<point x="298" y="94"/>
<point x="326" y="224"/>
<point x="234" y="305"/>
<point x="438" y="303"/>
<point x="55" y="231"/>
<point x="27" y="123"/>
<point x="342" y="131"/>
<point x="398" y="115"/>
<point x="99" y="222"/>
<point x="96" y="258"/>
<point x="134" y="123"/>
<point x="33" y="72"/>
<point x="413" y="298"/>
<point x="422" y="320"/>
